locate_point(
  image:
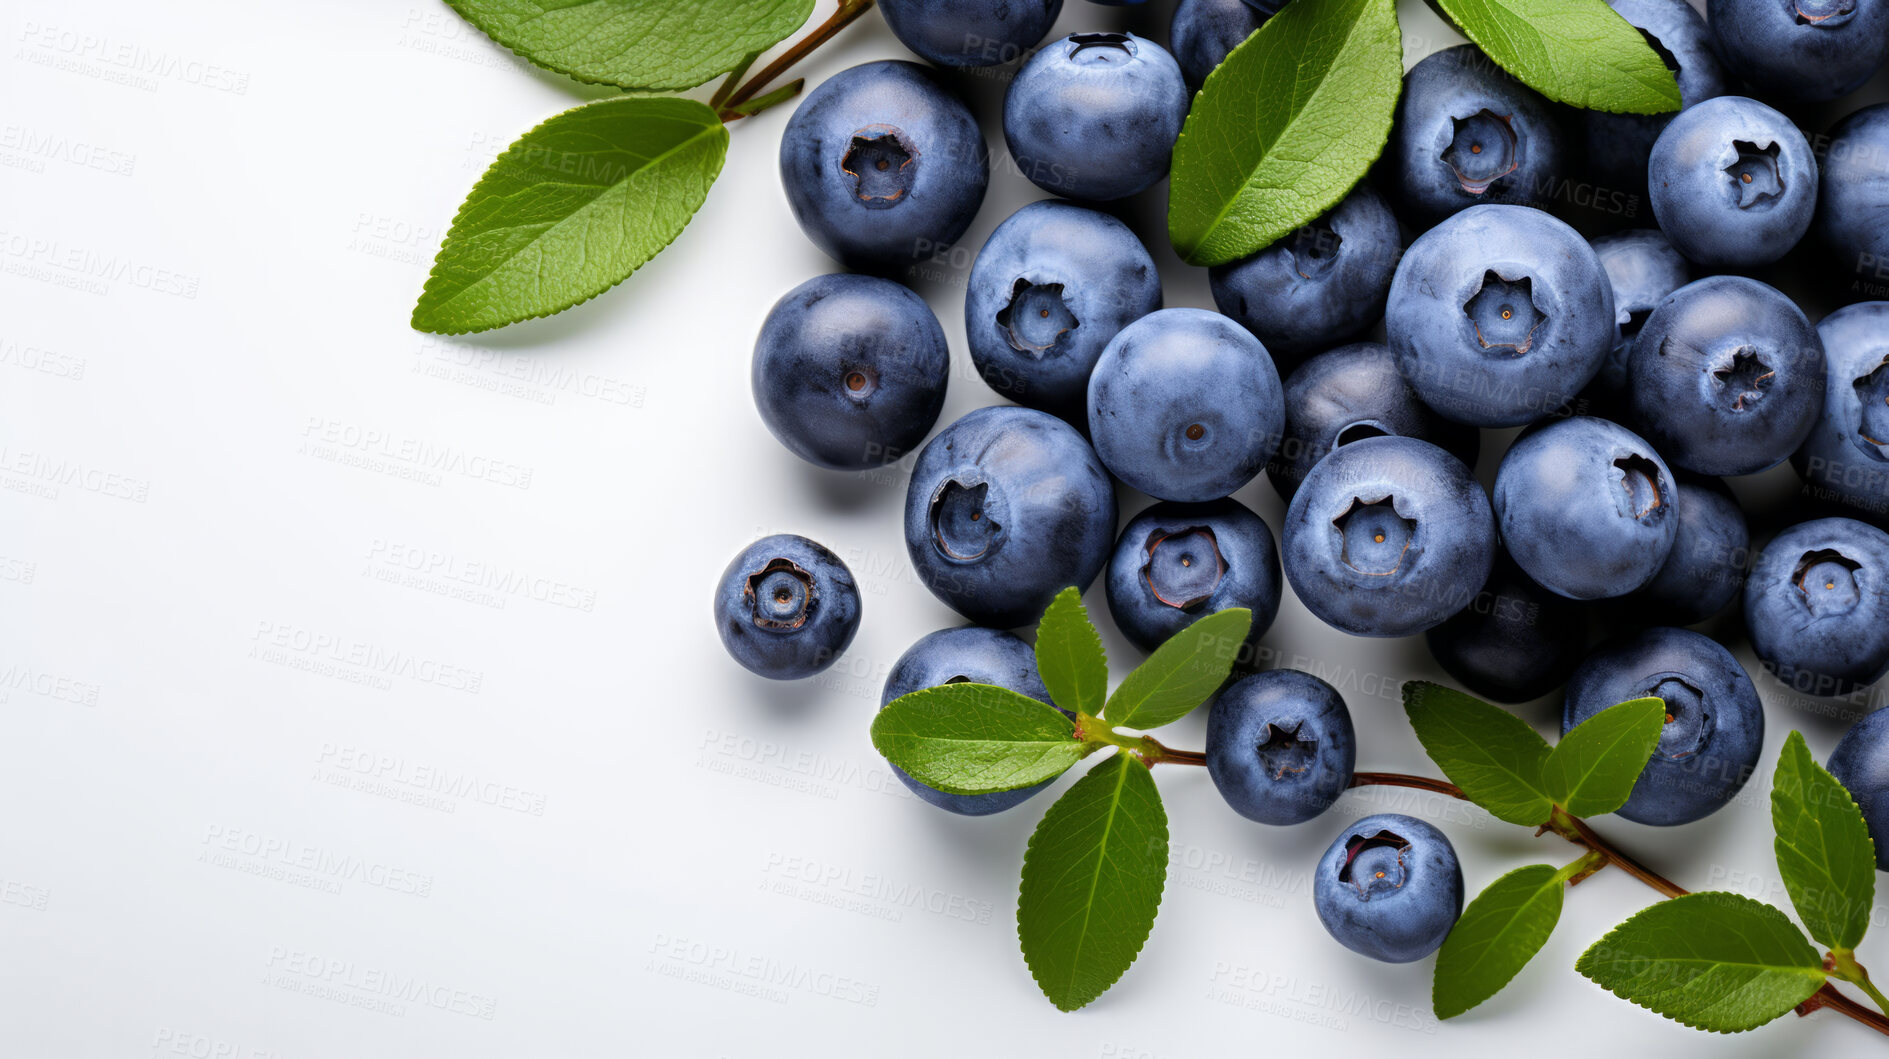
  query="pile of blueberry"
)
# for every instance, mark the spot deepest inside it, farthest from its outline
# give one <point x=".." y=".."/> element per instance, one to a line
<point x="1642" y="365"/>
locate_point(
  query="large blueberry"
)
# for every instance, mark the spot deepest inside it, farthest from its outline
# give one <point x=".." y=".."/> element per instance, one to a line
<point x="1802" y="50"/>
<point x="1853" y="193"/>
<point x="970" y="32"/>
<point x="1861" y="763"/>
<point x="1388" y="536"/>
<point x="1617" y="145"/>
<point x="1390" y="888"/>
<point x="1500" y="315"/>
<point x="1817" y="606"/>
<point x="1185" y="405"/>
<point x="1007" y="507"/>
<point x="1176" y="563"/>
<point x="1733" y="183"/>
<point x="882" y="165"/>
<point x="1727" y="377"/>
<point x="1051" y="287"/>
<point x="1706" y="568"/>
<point x="1467" y="132"/>
<point x="1515" y="641"/>
<point x="1204" y="31"/>
<point x="1320" y="285"/>
<point x="1846" y="456"/>
<point x="786" y="607"/>
<point x="1642" y="268"/>
<point x="1095" y="115"/>
<point x="1280" y="746"/>
<point x="1586" y="508"/>
<point x="850" y="371"/>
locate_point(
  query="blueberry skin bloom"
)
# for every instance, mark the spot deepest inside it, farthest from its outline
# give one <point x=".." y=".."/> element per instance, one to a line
<point x="1802" y="50"/>
<point x="1586" y="508"/>
<point x="850" y="371"/>
<point x="1861" y="763"/>
<point x="970" y="32"/>
<point x="967" y="655"/>
<point x="1007" y="506"/>
<point x="1642" y="268"/>
<point x="1348" y="394"/>
<point x="1052" y="285"/>
<point x="1727" y="377"/>
<point x="1846" y="456"/>
<point x="1177" y="563"/>
<point x="1095" y="115"/>
<point x="1515" y="641"/>
<point x="1390" y="888"/>
<point x="1185" y="405"/>
<point x="1204" y="31"/>
<point x="1817" y="606"/>
<point x="1280" y="746"/>
<point x="1853" y="191"/>
<point x="1466" y="133"/>
<point x="1320" y="285"/>
<point x="1617" y="145"/>
<point x="1732" y="183"/>
<point x="1388" y="536"/>
<point x="1500" y="315"/>
<point x="786" y="607"/>
<point x="1706" y="568"/>
<point x="882" y="165"/>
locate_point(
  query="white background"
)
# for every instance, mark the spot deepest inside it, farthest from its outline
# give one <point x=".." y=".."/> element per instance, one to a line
<point x="237" y="645"/>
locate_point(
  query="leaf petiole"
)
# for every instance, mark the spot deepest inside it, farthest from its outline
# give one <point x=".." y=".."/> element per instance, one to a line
<point x="1854" y="973"/>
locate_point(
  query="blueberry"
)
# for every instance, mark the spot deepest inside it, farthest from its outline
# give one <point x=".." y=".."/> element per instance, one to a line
<point x="1320" y="285"/>
<point x="1007" y="507"/>
<point x="1500" y="315"/>
<point x="1204" y="31"/>
<point x="850" y="371"/>
<point x="881" y="164"/>
<point x="1853" y="191"/>
<point x="1714" y="721"/>
<point x="1515" y="641"/>
<point x="966" y="656"/>
<point x="1280" y="746"/>
<point x="1802" y="50"/>
<point x="1861" y="763"/>
<point x="1706" y="568"/>
<point x="1388" y="536"/>
<point x="1586" y="508"/>
<point x="1642" y="268"/>
<point x="970" y="32"/>
<point x="1348" y="394"/>
<point x="1185" y="405"/>
<point x="1466" y="132"/>
<point x="1389" y="888"/>
<point x="1617" y="145"/>
<point x="1846" y="456"/>
<point x="1095" y="115"/>
<point x="1177" y="563"/>
<point x="1817" y="606"/>
<point x="786" y="607"/>
<point x="1733" y="183"/>
<point x="1051" y="287"/>
<point x="1727" y="377"/>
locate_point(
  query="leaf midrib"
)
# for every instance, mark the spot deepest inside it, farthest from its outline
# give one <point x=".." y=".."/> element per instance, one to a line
<point x="1095" y="878"/>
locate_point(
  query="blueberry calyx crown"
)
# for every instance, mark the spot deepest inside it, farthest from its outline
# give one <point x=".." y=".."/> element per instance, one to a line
<point x="1315" y="249"/>
<point x="1184" y="567"/>
<point x="1374" y="863"/>
<point x="1872" y="399"/>
<point x="1826" y="13"/>
<point x="1373" y="536"/>
<point x="1642" y="495"/>
<point x="1688" y="723"/>
<point x="1754" y="174"/>
<point x="1826" y="583"/>
<point x="1503" y="312"/>
<point x="1036" y="318"/>
<point x="1285" y="752"/>
<point x="961" y="526"/>
<point x="1483" y="150"/>
<point x="781" y="595"/>
<point x="1091" y="48"/>
<point x="1744" y="377"/>
<point x="883" y="165"/>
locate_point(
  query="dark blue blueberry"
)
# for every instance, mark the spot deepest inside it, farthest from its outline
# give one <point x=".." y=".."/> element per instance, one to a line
<point x="1817" y="606"/>
<point x="1320" y="285"/>
<point x="1586" y="507"/>
<point x="850" y="371"/>
<point x="1500" y="315"/>
<point x="1846" y="456"/>
<point x="1094" y="116"/>
<point x="1727" y="377"/>
<point x="970" y="32"/>
<point x="1515" y="641"/>
<point x="786" y="607"/>
<point x="1642" y="268"/>
<point x="1388" y="536"/>
<point x="1007" y="507"/>
<point x="1185" y="405"/>
<point x="1853" y="193"/>
<point x="1204" y="31"/>
<point x="1617" y="145"/>
<point x="1389" y="888"/>
<point x="1051" y="287"/>
<point x="1733" y="183"/>
<point x="1177" y="563"/>
<point x="1861" y="763"/>
<point x="1706" y="568"/>
<point x="1466" y="133"/>
<point x="882" y="166"/>
<point x="1801" y="50"/>
<point x="1280" y="746"/>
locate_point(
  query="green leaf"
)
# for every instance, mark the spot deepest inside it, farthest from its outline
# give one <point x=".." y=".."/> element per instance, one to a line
<point x="1493" y="755"/>
<point x="1284" y="127"/>
<point x="1594" y="767"/>
<point x="570" y="210"/>
<point x="1578" y="52"/>
<point x="1092" y="881"/>
<point x="976" y="738"/>
<point x="1823" y="848"/>
<point x="1069" y="655"/>
<point x="658" y="45"/>
<point x="1495" y="937"/>
<point x="1713" y="961"/>
<point x="1182" y="672"/>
